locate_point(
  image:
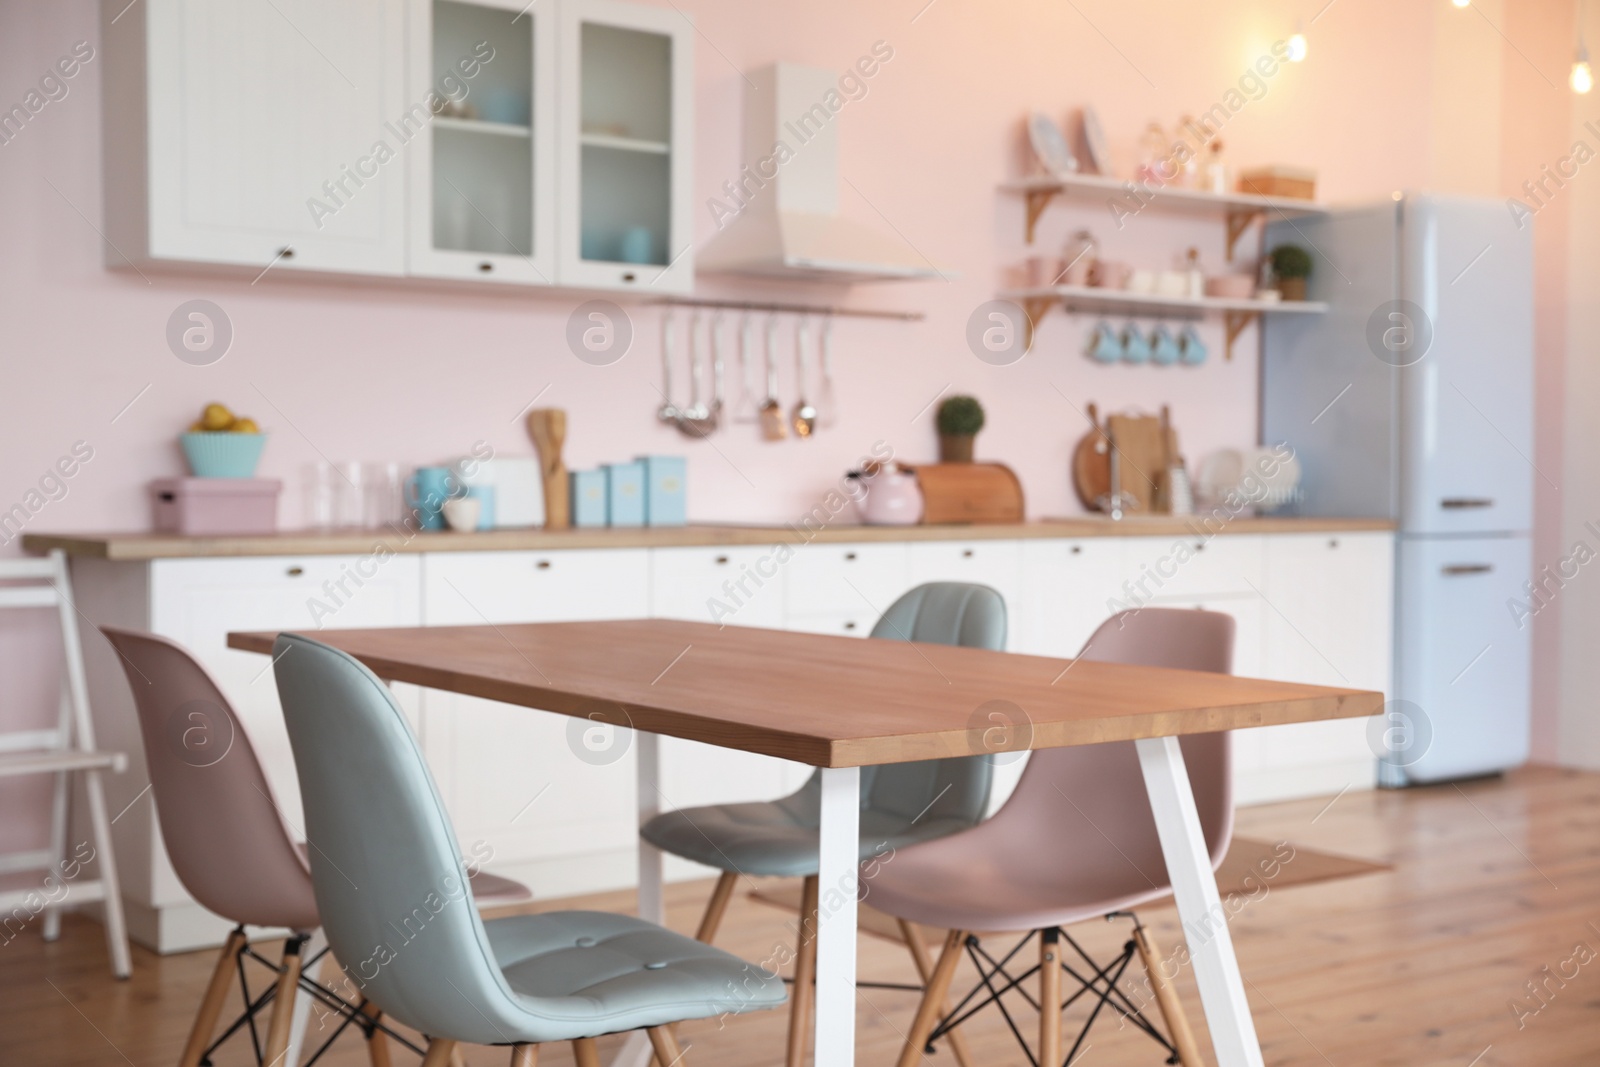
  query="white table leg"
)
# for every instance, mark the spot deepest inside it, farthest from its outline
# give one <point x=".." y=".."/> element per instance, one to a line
<point x="838" y="878"/>
<point x="635" y="1052"/>
<point x="1205" y="926"/>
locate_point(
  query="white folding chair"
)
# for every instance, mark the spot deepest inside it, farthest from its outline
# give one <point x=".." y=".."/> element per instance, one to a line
<point x="45" y="880"/>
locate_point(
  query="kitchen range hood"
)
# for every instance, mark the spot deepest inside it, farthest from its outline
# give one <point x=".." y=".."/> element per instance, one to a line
<point x="779" y="216"/>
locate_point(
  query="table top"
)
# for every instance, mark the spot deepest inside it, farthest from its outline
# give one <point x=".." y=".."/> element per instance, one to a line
<point x="819" y="699"/>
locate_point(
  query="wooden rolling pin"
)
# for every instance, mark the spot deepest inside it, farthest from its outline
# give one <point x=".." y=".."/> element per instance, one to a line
<point x="548" y="428"/>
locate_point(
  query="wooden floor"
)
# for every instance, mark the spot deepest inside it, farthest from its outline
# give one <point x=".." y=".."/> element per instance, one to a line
<point x="1493" y="882"/>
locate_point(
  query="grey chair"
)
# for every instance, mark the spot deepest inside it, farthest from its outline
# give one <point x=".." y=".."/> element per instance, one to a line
<point x="398" y="910"/>
<point x="901" y="803"/>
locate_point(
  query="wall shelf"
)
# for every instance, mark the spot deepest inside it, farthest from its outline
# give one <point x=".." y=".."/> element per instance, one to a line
<point x="1237" y="313"/>
<point x="1239" y="209"/>
<point x="624" y="144"/>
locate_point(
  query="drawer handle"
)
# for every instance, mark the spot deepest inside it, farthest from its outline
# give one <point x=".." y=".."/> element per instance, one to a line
<point x="1456" y="503"/>
<point x="543" y="564"/>
<point x="849" y="556"/>
<point x="1454" y="570"/>
<point x="285" y="252"/>
<point x="630" y="276"/>
<point x="721" y="560"/>
<point x="1076" y="549"/>
<point x="486" y="266"/>
<point x="850" y="626"/>
<point x="295" y="572"/>
<point x="966" y="553"/>
<point x="1333" y="542"/>
<point x="1199" y="546"/>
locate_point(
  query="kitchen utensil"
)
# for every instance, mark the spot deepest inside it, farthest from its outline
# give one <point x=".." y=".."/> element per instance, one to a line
<point x="1271" y="477"/>
<point x="461" y="513"/>
<point x="697" y="409"/>
<point x="1105" y="346"/>
<point x="1095" y="143"/>
<point x="1141" y="448"/>
<point x="667" y="412"/>
<point x="1091" y="463"/>
<point x="748" y="407"/>
<point x="1049" y="145"/>
<point x="773" y="426"/>
<point x="887" y="495"/>
<point x="426" y="492"/>
<point x="969" y="492"/>
<point x="829" y="405"/>
<point x="224" y="454"/>
<point x="805" y="416"/>
<point x="1135" y="345"/>
<point x="1164" y="348"/>
<point x="548" y="428"/>
<point x="1231" y="286"/>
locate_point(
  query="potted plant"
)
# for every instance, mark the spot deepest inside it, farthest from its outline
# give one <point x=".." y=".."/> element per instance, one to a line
<point x="960" y="419"/>
<point x="1291" y="265"/>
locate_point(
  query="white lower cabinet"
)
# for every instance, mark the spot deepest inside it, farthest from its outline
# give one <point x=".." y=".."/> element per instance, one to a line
<point x="554" y="802"/>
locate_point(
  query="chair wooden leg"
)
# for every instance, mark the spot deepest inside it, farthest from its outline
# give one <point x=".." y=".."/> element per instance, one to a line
<point x="801" y="994"/>
<point x="665" y="1043"/>
<point x="525" y="1056"/>
<point x="1050" y="996"/>
<point x="457" y="1057"/>
<point x="924" y="962"/>
<point x="440" y="1049"/>
<point x="205" y="1021"/>
<point x="1167" y="999"/>
<point x="584" y="1053"/>
<point x="716" y="907"/>
<point x="275" y="1052"/>
<point x="932" y="997"/>
<point x="377" y="1041"/>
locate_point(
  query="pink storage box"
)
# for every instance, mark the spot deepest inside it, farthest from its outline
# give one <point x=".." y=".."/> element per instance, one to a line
<point x="205" y="507"/>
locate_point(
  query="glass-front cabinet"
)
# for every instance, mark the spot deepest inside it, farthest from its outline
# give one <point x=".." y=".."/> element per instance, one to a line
<point x="482" y="149"/>
<point x="626" y="146"/>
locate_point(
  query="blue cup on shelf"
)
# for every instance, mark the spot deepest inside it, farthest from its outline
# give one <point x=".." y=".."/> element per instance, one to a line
<point x="638" y="245"/>
<point x="1192" y="350"/>
<point x="1104" y="347"/>
<point x="426" y="492"/>
<point x="1164" y="348"/>
<point x="1135" y="345"/>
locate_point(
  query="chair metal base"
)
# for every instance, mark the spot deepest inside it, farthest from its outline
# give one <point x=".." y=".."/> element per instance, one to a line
<point x="1097" y="982"/>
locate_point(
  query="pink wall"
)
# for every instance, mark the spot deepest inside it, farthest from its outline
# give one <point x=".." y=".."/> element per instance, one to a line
<point x="414" y="374"/>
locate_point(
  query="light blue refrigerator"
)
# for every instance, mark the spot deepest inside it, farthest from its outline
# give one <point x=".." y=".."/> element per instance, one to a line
<point x="1412" y="399"/>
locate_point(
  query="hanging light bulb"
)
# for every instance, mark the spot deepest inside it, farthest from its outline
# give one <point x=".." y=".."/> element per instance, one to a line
<point x="1462" y="3"/>
<point x="1582" y="75"/>
<point x="1297" y="44"/>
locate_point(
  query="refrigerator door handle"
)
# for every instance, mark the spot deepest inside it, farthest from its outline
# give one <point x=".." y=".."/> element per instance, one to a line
<point x="1456" y="503"/>
<point x="1457" y="569"/>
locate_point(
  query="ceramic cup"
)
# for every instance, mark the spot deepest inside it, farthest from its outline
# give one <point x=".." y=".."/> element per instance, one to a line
<point x="1104" y="345"/>
<point x="461" y="512"/>
<point x="1191" y="349"/>
<point x="1135" y="346"/>
<point x="1164" y="348"/>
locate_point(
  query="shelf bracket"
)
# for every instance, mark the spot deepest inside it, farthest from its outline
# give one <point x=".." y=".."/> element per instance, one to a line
<point x="1239" y="220"/>
<point x="1038" y="200"/>
<point x="1235" y="322"/>
<point x="1034" y="308"/>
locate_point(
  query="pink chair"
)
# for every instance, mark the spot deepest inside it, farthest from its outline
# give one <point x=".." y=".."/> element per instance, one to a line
<point x="232" y="850"/>
<point x="1075" y="841"/>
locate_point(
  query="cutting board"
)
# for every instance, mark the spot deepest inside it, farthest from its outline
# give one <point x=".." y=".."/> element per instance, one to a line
<point x="969" y="492"/>
<point x="1091" y="464"/>
<point x="1141" y="441"/>
<point x="518" y="489"/>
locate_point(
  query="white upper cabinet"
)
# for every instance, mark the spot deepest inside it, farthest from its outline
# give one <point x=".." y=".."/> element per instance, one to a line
<point x="494" y="140"/>
<point x="483" y="174"/>
<point x="256" y="134"/>
<point x="626" y="151"/>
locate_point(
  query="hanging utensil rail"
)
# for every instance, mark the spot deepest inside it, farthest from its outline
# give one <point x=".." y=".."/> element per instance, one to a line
<point x="792" y="309"/>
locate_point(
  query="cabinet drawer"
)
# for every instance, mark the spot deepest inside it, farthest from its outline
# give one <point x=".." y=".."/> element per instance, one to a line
<point x="839" y="623"/>
<point x="829" y="579"/>
<point x="467" y="588"/>
<point x="1071" y="587"/>
<point x="738" y="586"/>
<point x="1166" y="567"/>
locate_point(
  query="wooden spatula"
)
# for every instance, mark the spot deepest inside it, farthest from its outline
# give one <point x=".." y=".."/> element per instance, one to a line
<point x="548" y="428"/>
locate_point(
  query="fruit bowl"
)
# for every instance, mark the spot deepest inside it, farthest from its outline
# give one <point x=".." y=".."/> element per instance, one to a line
<point x="223" y="454"/>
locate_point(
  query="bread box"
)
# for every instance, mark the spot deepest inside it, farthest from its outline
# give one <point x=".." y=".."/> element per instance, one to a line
<point x="969" y="492"/>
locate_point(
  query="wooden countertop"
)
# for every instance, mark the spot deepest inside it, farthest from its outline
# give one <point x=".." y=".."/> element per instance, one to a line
<point x="148" y="546"/>
<point x="824" y="700"/>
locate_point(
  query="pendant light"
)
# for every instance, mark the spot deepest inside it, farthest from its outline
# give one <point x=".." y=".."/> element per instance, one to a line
<point x="1582" y="79"/>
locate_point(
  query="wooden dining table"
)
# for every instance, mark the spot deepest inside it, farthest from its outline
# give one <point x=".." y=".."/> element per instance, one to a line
<point x="840" y="704"/>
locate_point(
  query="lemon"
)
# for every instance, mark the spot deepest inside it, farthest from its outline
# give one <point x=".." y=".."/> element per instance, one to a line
<point x="245" y="425"/>
<point x="197" y="427"/>
<point x="216" y="417"/>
